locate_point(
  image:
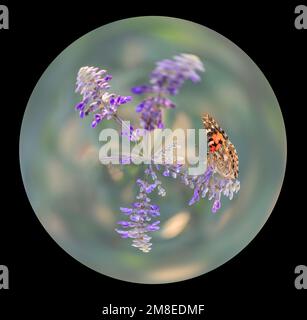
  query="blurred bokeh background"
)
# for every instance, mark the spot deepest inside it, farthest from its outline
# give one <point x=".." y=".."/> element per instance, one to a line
<point x="77" y="199"/>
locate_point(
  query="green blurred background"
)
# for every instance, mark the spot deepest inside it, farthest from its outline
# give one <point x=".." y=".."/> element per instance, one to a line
<point x="77" y="199"/>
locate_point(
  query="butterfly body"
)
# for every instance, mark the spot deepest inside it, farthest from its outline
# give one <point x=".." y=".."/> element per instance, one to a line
<point x="221" y="152"/>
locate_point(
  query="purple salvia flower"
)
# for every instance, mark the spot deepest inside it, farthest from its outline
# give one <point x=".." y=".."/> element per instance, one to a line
<point x="80" y="106"/>
<point x="140" y="214"/>
<point x="124" y="234"/>
<point x="216" y="205"/>
<point x="153" y="226"/>
<point x="92" y="84"/>
<point x="141" y="89"/>
<point x="126" y="224"/>
<point x="169" y="75"/>
<point x="107" y="77"/>
<point x="166" y="172"/>
<point x="210" y="184"/>
<point x="126" y="210"/>
<point x="154" y="207"/>
<point x="166" y="79"/>
<point x="195" y="197"/>
<point x="151" y="114"/>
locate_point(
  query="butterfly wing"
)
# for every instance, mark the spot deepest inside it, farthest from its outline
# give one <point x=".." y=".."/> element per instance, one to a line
<point x="221" y="152"/>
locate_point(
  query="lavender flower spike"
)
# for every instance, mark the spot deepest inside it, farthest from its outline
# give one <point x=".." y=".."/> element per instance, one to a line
<point x="93" y="83"/>
<point x="213" y="185"/>
<point x="166" y="79"/>
<point x="140" y="216"/>
<point x="210" y="184"/>
<point x="169" y="75"/>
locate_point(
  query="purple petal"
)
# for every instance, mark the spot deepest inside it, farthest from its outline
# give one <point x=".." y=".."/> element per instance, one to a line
<point x="118" y="100"/>
<point x="108" y="77"/>
<point x="124" y="234"/>
<point x="154" y="207"/>
<point x="208" y="173"/>
<point x="80" y="106"/>
<point x="140" y="107"/>
<point x="153" y="227"/>
<point x="139" y="89"/>
<point x="154" y="213"/>
<point x="135" y="218"/>
<point x="194" y="77"/>
<point x="137" y="204"/>
<point x="195" y="197"/>
<point x="173" y="91"/>
<point x="126" y="99"/>
<point x="216" y="206"/>
<point x="150" y="188"/>
<point x="126" y="224"/>
<point x="166" y="173"/>
<point x="141" y="211"/>
<point x="98" y="117"/>
<point x="126" y="210"/>
<point x="140" y="182"/>
<point x="167" y="103"/>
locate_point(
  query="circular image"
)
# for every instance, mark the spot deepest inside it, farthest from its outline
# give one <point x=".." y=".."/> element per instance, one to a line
<point x="150" y="217"/>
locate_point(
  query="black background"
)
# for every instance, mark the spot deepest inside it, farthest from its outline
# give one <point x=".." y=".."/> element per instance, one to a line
<point x="44" y="280"/>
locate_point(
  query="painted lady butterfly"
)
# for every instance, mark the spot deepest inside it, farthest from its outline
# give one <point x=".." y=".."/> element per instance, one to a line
<point x="221" y="152"/>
